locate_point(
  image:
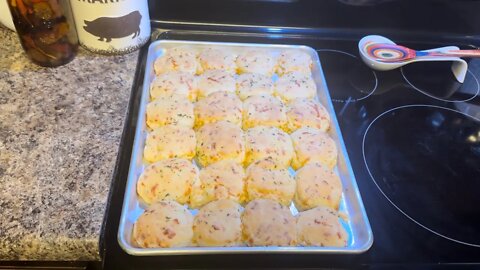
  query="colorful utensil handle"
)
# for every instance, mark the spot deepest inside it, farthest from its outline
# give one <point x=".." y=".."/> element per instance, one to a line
<point x="451" y="53"/>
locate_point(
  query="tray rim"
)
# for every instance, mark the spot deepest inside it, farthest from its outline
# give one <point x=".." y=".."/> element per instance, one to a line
<point x="131" y="180"/>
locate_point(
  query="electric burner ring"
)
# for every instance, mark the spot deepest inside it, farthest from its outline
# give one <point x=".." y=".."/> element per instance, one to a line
<point x="350" y="99"/>
<point x="441" y="99"/>
<point x="380" y="189"/>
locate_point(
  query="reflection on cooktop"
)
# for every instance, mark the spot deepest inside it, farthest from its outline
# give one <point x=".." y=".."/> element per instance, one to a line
<point x="352" y="79"/>
<point x="436" y="80"/>
<point x="425" y="160"/>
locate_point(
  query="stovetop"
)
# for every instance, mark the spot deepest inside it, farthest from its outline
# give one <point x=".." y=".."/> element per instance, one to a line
<point x="413" y="138"/>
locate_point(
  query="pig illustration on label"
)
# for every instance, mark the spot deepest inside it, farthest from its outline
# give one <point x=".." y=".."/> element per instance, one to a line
<point x="106" y="28"/>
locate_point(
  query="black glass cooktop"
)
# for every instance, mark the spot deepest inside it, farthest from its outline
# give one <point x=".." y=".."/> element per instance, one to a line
<point x="425" y="161"/>
<point x="413" y="138"/>
<point x="414" y="142"/>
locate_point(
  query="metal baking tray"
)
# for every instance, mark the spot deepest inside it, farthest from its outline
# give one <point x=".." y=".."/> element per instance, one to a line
<point x="356" y="223"/>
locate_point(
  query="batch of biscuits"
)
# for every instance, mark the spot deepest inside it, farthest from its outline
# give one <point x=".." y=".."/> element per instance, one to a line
<point x="235" y="137"/>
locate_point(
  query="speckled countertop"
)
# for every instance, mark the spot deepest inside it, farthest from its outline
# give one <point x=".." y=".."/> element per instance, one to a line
<point x="60" y="131"/>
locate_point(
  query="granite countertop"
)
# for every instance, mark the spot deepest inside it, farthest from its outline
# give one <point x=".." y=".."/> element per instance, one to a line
<point x="60" y="131"/>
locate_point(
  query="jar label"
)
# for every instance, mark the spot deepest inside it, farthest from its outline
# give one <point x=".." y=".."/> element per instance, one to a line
<point x="112" y="26"/>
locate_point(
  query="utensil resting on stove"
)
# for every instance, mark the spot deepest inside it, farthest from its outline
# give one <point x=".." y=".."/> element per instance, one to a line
<point x="380" y="53"/>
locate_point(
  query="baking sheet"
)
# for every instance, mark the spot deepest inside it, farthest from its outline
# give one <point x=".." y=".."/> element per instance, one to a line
<point x="351" y="206"/>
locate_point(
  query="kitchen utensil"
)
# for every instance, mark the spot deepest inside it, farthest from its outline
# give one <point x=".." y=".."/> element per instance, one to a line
<point x="380" y="53"/>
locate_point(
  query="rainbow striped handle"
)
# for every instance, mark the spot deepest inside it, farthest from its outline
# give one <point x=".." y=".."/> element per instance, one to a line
<point x="391" y="53"/>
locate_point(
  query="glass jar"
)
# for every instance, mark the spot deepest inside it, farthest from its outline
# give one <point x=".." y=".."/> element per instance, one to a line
<point x="46" y="30"/>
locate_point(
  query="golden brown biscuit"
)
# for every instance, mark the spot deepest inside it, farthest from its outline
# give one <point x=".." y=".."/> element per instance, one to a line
<point x="253" y="84"/>
<point x="215" y="81"/>
<point x="265" y="180"/>
<point x="268" y="142"/>
<point x="220" y="141"/>
<point x="256" y="61"/>
<point x="317" y="185"/>
<point x="169" y="179"/>
<point x="268" y="223"/>
<point x="218" y="224"/>
<point x="312" y="144"/>
<point x="170" y="142"/>
<point x="294" y="60"/>
<point x="218" y="106"/>
<point x="174" y="110"/>
<point x="164" y="224"/>
<point x="264" y="110"/>
<point x="221" y="180"/>
<point x="295" y="85"/>
<point x="170" y="83"/>
<point x="303" y="112"/>
<point x="212" y="58"/>
<point x="177" y="59"/>
<point x="320" y="226"/>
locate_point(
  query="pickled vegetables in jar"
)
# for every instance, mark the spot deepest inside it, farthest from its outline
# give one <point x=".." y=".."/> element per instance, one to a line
<point x="46" y="30"/>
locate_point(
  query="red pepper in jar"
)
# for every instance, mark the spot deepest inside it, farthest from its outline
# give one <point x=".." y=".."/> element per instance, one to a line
<point x="46" y="30"/>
